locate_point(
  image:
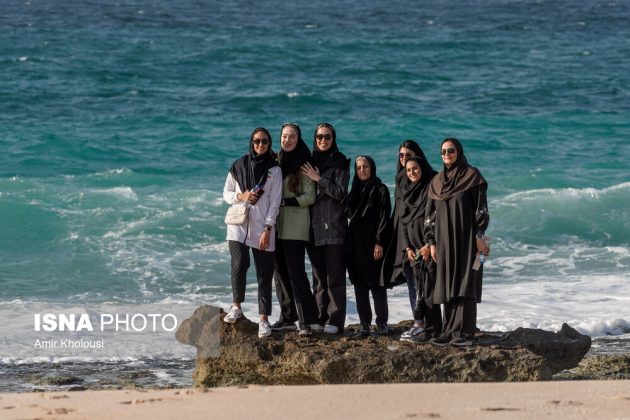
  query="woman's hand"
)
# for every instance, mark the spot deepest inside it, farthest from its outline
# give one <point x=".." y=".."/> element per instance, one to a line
<point x="425" y="251"/>
<point x="378" y="252"/>
<point x="310" y="171"/>
<point x="248" y="196"/>
<point x="263" y="243"/>
<point x="434" y="253"/>
<point x="482" y="246"/>
<point x="411" y="255"/>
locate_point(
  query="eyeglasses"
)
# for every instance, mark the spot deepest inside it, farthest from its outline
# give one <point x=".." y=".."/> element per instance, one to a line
<point x="326" y="137"/>
<point x="449" y="151"/>
<point x="258" y="142"/>
<point x="404" y="155"/>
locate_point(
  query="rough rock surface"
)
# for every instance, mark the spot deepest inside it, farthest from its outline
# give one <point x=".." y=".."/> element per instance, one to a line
<point x="286" y="358"/>
<point x="600" y="367"/>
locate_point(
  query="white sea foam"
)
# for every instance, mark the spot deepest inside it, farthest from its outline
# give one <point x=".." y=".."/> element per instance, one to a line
<point x="122" y="192"/>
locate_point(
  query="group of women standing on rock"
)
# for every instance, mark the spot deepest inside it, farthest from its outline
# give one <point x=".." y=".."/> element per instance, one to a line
<point x="297" y="201"/>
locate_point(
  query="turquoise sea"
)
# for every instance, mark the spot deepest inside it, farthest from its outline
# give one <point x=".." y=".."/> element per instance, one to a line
<point x="120" y="119"/>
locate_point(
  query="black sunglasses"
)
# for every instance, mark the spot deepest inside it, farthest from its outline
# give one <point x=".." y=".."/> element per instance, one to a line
<point x="326" y="137"/>
<point x="404" y="155"/>
<point x="449" y="151"/>
<point x="257" y="142"/>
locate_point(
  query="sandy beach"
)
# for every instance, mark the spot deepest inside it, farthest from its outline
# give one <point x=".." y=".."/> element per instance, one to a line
<point x="558" y="399"/>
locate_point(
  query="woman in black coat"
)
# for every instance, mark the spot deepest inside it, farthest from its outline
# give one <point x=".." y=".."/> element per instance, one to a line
<point x="368" y="208"/>
<point x="457" y="213"/>
<point x="331" y="173"/>
<point x="396" y="268"/>
<point x="418" y="253"/>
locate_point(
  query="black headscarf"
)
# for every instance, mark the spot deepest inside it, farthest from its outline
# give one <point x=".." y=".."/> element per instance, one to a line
<point x="331" y="158"/>
<point x="414" y="195"/>
<point x="359" y="198"/>
<point x="252" y="168"/>
<point x="401" y="174"/>
<point x="456" y="179"/>
<point x="291" y="162"/>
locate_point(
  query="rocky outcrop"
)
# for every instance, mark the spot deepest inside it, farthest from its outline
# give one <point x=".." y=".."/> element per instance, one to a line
<point x="286" y="358"/>
<point x="600" y="367"/>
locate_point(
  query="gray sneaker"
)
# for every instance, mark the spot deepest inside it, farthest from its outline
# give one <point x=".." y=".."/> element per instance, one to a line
<point x="411" y="333"/>
<point x="304" y="330"/>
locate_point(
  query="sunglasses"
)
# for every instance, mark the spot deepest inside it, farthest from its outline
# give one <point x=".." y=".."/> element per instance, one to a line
<point x="404" y="155"/>
<point x="326" y="137"/>
<point x="448" y="151"/>
<point x="258" y="142"/>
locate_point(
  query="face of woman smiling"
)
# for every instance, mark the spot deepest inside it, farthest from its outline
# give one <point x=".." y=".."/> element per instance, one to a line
<point x="414" y="173"/>
<point x="323" y="144"/>
<point x="449" y="159"/>
<point x="288" y="138"/>
<point x="260" y="142"/>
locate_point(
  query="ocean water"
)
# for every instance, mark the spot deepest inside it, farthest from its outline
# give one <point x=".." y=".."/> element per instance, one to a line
<point x="120" y="119"/>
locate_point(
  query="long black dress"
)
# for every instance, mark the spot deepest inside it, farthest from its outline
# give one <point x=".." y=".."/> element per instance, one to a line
<point x="395" y="265"/>
<point x="368" y="208"/>
<point x="414" y="201"/>
<point x="456" y="212"/>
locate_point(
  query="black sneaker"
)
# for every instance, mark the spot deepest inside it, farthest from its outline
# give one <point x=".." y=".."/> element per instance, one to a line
<point x="283" y="326"/>
<point x="304" y="330"/>
<point x="365" y="330"/>
<point x="420" y="338"/>
<point x="442" y="340"/>
<point x="382" y="329"/>
<point x="461" y="342"/>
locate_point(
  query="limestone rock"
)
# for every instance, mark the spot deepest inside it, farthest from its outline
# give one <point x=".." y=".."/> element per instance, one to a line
<point x="286" y="358"/>
<point x="600" y="367"/>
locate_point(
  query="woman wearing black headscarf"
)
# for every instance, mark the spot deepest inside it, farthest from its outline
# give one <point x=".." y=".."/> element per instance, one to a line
<point x="396" y="267"/>
<point x="331" y="173"/>
<point x="298" y="193"/>
<point x="418" y="253"/>
<point x="255" y="182"/>
<point x="455" y="221"/>
<point x="368" y="208"/>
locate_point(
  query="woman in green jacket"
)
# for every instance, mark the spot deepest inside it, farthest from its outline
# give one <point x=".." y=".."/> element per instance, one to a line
<point x="298" y="193"/>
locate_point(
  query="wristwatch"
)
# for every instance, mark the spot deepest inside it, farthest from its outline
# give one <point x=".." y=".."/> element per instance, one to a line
<point x="479" y="235"/>
<point x="268" y="228"/>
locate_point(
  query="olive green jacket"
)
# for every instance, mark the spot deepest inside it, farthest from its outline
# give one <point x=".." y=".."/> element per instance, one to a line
<point x="294" y="222"/>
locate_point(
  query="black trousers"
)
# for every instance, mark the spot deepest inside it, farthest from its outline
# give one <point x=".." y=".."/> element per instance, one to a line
<point x="379" y="295"/>
<point x="425" y="309"/>
<point x="460" y="317"/>
<point x="329" y="283"/>
<point x="264" y="262"/>
<point x="292" y="286"/>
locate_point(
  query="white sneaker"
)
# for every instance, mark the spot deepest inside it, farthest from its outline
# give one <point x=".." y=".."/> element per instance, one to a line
<point x="234" y="314"/>
<point x="331" y="329"/>
<point x="317" y="327"/>
<point x="264" y="329"/>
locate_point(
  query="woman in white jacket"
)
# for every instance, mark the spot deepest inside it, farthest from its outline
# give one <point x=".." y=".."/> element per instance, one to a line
<point x="254" y="181"/>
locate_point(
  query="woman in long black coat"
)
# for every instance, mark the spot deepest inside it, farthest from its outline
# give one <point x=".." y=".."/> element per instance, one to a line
<point x="368" y="207"/>
<point x="456" y="219"/>
<point x="396" y="269"/>
<point x="418" y="253"/>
